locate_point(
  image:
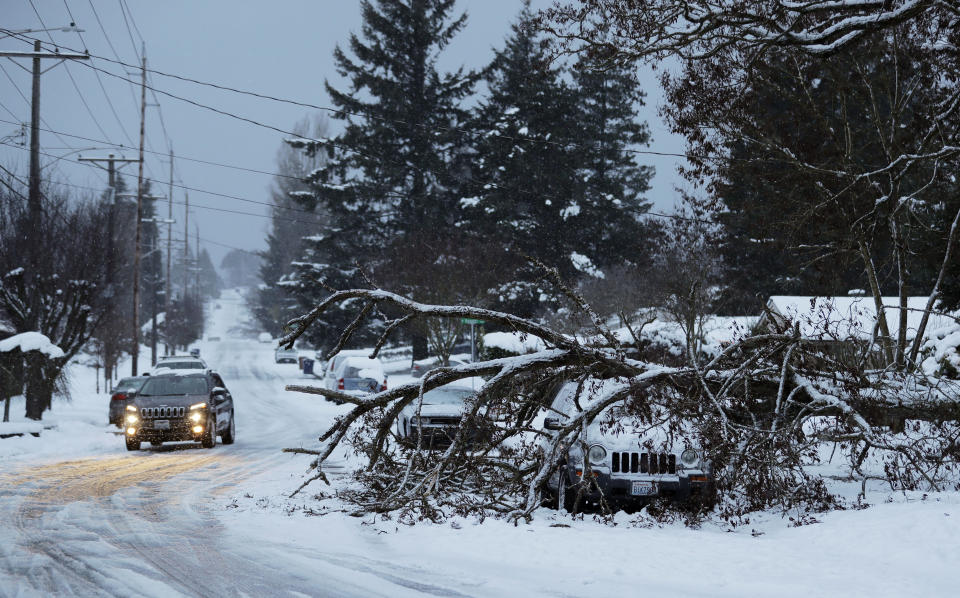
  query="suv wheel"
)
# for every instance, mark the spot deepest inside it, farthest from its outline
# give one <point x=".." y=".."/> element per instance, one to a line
<point x="209" y="439"/>
<point x="230" y="434"/>
<point x="133" y="445"/>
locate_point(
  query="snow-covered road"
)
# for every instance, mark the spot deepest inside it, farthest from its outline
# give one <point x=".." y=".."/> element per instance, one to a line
<point x="80" y="516"/>
<point x="99" y="522"/>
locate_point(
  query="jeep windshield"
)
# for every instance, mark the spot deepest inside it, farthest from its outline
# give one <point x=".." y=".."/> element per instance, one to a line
<point x="167" y="386"/>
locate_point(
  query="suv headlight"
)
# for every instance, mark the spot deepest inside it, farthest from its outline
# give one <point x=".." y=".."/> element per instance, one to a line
<point x="197" y="406"/>
<point x="690" y="458"/>
<point x="596" y="454"/>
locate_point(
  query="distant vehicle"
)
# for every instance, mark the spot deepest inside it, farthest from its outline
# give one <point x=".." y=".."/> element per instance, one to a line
<point x="178" y="363"/>
<point x="194" y="352"/>
<point x="265" y="337"/>
<point x="123" y="393"/>
<point x="422" y="366"/>
<point x="439" y="415"/>
<point x="359" y="375"/>
<point x="282" y="355"/>
<point x="216" y="306"/>
<point x="213" y="339"/>
<point x="175" y="407"/>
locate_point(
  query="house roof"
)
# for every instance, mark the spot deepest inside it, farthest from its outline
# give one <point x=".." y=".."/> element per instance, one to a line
<point x="844" y="318"/>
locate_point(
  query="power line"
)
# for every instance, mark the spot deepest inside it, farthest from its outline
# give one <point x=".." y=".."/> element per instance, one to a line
<point x="347" y="113"/>
<point x="188" y="159"/>
<point x="27" y="102"/>
<point x="99" y="80"/>
<point x="112" y="49"/>
<point x="123" y="11"/>
<point x="197" y="190"/>
<point x="66" y="68"/>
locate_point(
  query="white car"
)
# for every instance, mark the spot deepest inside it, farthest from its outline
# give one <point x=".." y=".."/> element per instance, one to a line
<point x="330" y="368"/>
<point x="180" y="363"/>
<point x="359" y="374"/>
<point x="436" y="420"/>
<point x="632" y="462"/>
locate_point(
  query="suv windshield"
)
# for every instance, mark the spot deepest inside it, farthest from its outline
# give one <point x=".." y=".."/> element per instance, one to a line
<point x="129" y="383"/>
<point x="174" y="385"/>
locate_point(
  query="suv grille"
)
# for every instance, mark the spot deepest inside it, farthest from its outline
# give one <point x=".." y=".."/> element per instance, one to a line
<point x="163" y="411"/>
<point x="643" y="463"/>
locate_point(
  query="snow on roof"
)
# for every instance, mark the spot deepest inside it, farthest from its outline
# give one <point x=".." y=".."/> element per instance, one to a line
<point x="839" y="318"/>
<point x="31" y="341"/>
<point x="360" y="362"/>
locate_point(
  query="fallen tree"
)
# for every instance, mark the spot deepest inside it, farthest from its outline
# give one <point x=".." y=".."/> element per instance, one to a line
<point x="762" y="408"/>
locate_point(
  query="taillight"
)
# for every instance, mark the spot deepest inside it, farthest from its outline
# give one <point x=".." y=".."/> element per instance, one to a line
<point x="383" y="387"/>
<point x="340" y="384"/>
<point x="120" y="397"/>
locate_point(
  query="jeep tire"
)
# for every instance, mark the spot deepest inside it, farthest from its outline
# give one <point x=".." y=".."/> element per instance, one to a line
<point x="209" y="438"/>
<point x="230" y="434"/>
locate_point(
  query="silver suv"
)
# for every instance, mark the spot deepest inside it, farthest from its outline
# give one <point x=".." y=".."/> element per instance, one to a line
<point x="631" y="462"/>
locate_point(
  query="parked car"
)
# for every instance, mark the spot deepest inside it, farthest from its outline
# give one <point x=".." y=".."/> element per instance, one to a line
<point x="179" y="363"/>
<point x="265" y="337"/>
<point x="123" y="393"/>
<point x="359" y="375"/>
<point x="422" y="366"/>
<point x="282" y="355"/>
<point x="439" y="416"/>
<point x="632" y="464"/>
<point x="213" y="339"/>
<point x="194" y="352"/>
<point x="175" y="407"/>
<point x="330" y="367"/>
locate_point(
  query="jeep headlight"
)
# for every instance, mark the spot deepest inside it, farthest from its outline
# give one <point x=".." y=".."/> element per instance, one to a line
<point x="131" y="408"/>
<point x="195" y="417"/>
<point x="197" y="406"/>
<point x="596" y="454"/>
<point x="690" y="458"/>
<point x="132" y="419"/>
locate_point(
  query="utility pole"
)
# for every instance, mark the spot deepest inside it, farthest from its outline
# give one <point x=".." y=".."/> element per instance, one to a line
<point x="186" y="242"/>
<point x="134" y="354"/>
<point x="199" y="289"/>
<point x="111" y="352"/>
<point x="166" y="296"/>
<point x="34" y="206"/>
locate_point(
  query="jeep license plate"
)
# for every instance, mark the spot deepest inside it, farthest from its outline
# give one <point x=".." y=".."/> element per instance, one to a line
<point x="164" y="424"/>
<point x="643" y="488"/>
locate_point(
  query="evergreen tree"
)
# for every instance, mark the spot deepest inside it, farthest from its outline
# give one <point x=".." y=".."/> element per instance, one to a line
<point x="275" y="301"/>
<point x="607" y="217"/>
<point x="394" y="173"/>
<point x="525" y="168"/>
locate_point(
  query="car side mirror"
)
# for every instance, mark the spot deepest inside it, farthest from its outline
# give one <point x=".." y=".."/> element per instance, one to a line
<point x="551" y="423"/>
<point x="219" y="393"/>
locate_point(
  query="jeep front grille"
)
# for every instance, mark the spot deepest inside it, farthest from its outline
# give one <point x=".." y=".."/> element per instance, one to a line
<point x="643" y="463"/>
<point x="148" y="412"/>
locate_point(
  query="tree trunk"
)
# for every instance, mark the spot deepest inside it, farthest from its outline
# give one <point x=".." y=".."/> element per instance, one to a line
<point x="34" y="392"/>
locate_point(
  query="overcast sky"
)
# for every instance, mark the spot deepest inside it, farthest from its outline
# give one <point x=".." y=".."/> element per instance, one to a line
<point x="281" y="48"/>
